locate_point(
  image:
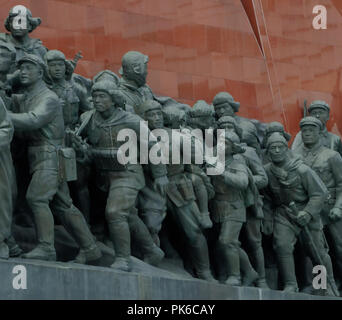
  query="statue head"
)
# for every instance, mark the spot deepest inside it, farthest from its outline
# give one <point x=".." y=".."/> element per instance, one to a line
<point x="105" y="96"/>
<point x="231" y="143"/>
<point x="56" y="63"/>
<point x="201" y="115"/>
<point x="7" y="57"/>
<point x="277" y="148"/>
<point x="310" y="128"/>
<point x="151" y="111"/>
<point x="134" y="67"/>
<point x="225" y="105"/>
<point x="229" y="124"/>
<point x="32" y="69"/>
<point x="31" y="23"/>
<point x="108" y="76"/>
<point x="273" y="127"/>
<point x="174" y="118"/>
<point x="320" y="110"/>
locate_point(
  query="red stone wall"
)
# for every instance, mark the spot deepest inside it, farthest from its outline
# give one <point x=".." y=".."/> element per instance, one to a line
<point x="264" y="52"/>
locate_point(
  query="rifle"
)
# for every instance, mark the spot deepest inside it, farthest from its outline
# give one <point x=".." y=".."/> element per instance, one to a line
<point x="313" y="251"/>
<point x="305" y="108"/>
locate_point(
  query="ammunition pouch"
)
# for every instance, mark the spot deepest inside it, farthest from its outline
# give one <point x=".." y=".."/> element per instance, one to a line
<point x="67" y="164"/>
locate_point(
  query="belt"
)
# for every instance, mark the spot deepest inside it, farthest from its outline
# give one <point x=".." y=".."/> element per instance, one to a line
<point x="50" y="142"/>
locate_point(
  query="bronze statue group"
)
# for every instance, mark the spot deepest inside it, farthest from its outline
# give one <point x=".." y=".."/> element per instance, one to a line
<point x="60" y="144"/>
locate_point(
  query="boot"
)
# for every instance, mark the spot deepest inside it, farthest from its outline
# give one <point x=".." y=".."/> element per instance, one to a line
<point x="4" y="251"/>
<point x="152" y="253"/>
<point x="155" y="256"/>
<point x="85" y="256"/>
<point x="200" y="257"/>
<point x="250" y="275"/>
<point x="122" y="264"/>
<point x="259" y="263"/>
<point x="287" y="272"/>
<point x="262" y="283"/>
<point x="206" y="222"/>
<point x="14" y="249"/>
<point x="234" y="281"/>
<point x="75" y="223"/>
<point x="120" y="235"/>
<point x="332" y="289"/>
<point x="41" y="252"/>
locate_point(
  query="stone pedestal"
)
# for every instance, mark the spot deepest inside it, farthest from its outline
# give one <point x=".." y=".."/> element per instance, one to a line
<point x="46" y="280"/>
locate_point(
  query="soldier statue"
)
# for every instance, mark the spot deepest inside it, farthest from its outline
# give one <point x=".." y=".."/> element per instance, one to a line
<point x="38" y="118"/>
<point x="101" y="126"/>
<point x="228" y="208"/>
<point x="180" y="195"/>
<point x="321" y="110"/>
<point x="133" y="85"/>
<point x="253" y="202"/>
<point x="74" y="101"/>
<point x="7" y="180"/>
<point x="297" y="196"/>
<point x="327" y="163"/>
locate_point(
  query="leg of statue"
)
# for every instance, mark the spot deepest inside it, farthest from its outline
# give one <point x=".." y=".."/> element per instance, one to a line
<point x="284" y="240"/>
<point x="229" y="242"/>
<point x="187" y="218"/>
<point x="202" y="201"/>
<point x="38" y="197"/>
<point x="120" y="202"/>
<point x="152" y="253"/>
<point x="250" y="276"/>
<point x="82" y="190"/>
<point x="335" y="230"/>
<point x="254" y="238"/>
<point x="322" y="247"/>
<point x="75" y="223"/>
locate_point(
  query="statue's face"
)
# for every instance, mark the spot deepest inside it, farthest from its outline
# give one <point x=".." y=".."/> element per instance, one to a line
<point x="310" y="134"/>
<point x="228" y="145"/>
<point x="140" y="72"/>
<point x="30" y="73"/>
<point x="102" y="101"/>
<point x="57" y="69"/>
<point x="5" y="60"/>
<point x="321" y="114"/>
<point x="227" y="126"/>
<point x="225" y="109"/>
<point x="16" y="32"/>
<point x="277" y="152"/>
<point x="155" y="119"/>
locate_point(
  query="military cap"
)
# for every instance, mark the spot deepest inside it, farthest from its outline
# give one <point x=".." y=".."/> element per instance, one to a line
<point x="311" y="121"/>
<point x="319" y="104"/>
<point x="148" y="105"/>
<point x="54" y="55"/>
<point x="276" y="137"/>
<point x="228" y="119"/>
<point x="33" y="59"/>
<point x="33" y="22"/>
<point x="201" y="109"/>
<point x="108" y="87"/>
<point x="9" y="47"/>
<point x="275" y="126"/>
<point x="225" y="97"/>
<point x="131" y="57"/>
<point x="108" y="75"/>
